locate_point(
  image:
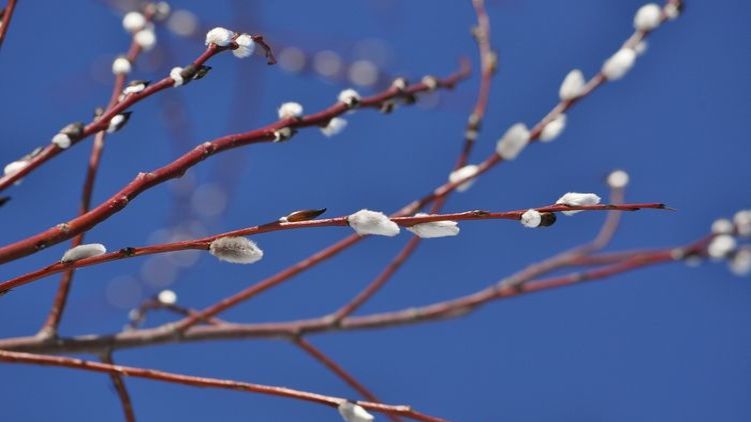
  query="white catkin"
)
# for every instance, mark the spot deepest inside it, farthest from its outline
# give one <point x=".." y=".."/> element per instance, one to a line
<point x="133" y="21"/>
<point x="245" y="46"/>
<point x="145" y="38"/>
<point x="671" y="11"/>
<point x="61" y="140"/>
<point x="572" y="85"/>
<point x="618" y="179"/>
<point x="335" y="127"/>
<point x="290" y="109"/>
<point x="372" y="222"/>
<point x="513" y="141"/>
<point x="618" y="65"/>
<point x="352" y="412"/>
<point x="462" y="173"/>
<point x="349" y="97"/>
<point x="742" y="221"/>
<point x="121" y="66"/>
<point x="531" y="219"/>
<point x="723" y="226"/>
<point x="115" y="123"/>
<point x="14" y="167"/>
<point x="740" y="264"/>
<point x="176" y="75"/>
<point x="553" y="129"/>
<point x="236" y="249"/>
<point x="134" y="89"/>
<point x="167" y="297"/>
<point x="83" y="251"/>
<point x="648" y="17"/>
<point x="577" y="199"/>
<point x="434" y="229"/>
<point x="219" y="36"/>
<point x="721" y="246"/>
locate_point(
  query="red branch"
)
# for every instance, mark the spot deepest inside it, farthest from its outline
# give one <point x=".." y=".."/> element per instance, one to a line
<point x="122" y="390"/>
<point x="5" y="16"/>
<point x="177" y="168"/>
<point x="18" y="357"/>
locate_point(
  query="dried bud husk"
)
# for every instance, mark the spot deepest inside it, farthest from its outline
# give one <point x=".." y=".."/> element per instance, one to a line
<point x="548" y="219"/>
<point x="302" y="215"/>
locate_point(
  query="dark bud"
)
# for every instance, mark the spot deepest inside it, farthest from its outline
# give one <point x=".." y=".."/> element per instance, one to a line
<point x="409" y="98"/>
<point x="4" y="200"/>
<point x="114" y="128"/>
<point x="4" y="292"/>
<point x="128" y="251"/>
<point x="303" y="215"/>
<point x="202" y="71"/>
<point x="387" y="107"/>
<point x="137" y="83"/>
<point x="548" y="219"/>
<point x="73" y="130"/>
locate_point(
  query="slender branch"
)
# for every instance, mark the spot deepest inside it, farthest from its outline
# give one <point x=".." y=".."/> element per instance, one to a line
<point x="51" y="324"/>
<point x="177" y="168"/>
<point x="339" y="371"/>
<point x="5" y="17"/>
<point x="122" y="390"/>
<point x="152" y="374"/>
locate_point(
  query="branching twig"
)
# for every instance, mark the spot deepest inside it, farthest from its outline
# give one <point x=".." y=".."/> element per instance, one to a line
<point x="122" y="390"/>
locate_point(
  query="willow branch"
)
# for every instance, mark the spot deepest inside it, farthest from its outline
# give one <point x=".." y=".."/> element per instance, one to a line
<point x="156" y="375"/>
<point x="177" y="168"/>
<point x="5" y="17"/>
<point x="120" y="388"/>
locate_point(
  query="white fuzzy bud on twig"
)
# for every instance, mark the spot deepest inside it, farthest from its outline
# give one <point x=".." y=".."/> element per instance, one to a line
<point x="742" y="221"/>
<point x="618" y="179"/>
<point x="349" y="97"/>
<point x="531" y="219"/>
<point x="245" y="46"/>
<point x="372" y="222"/>
<point x="513" y="141"/>
<point x="430" y="82"/>
<point x="290" y="109"/>
<point x="14" y="167"/>
<point x="572" y="85"/>
<point x="468" y="171"/>
<point x="145" y="38"/>
<point x="62" y="140"/>
<point x="83" y="251"/>
<point x="283" y="134"/>
<point x="671" y="11"/>
<point x="219" y="36"/>
<point x="176" y="75"/>
<point x="167" y="297"/>
<point x="237" y="250"/>
<point x="553" y="129"/>
<point x="577" y="199"/>
<point x="117" y="122"/>
<point x="723" y="226"/>
<point x="133" y="21"/>
<point x="134" y="87"/>
<point x="618" y="65"/>
<point x="433" y="229"/>
<point x="352" y="412"/>
<point x="721" y="246"/>
<point x="648" y="17"/>
<point x="121" y="66"/>
<point x="740" y="263"/>
<point x="334" y="127"/>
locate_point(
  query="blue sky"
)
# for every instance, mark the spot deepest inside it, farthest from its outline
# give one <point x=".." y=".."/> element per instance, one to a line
<point x="662" y="344"/>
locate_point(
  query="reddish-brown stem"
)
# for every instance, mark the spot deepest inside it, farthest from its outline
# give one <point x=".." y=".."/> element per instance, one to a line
<point x="177" y="168"/>
<point x="51" y="324"/>
<point x="339" y="372"/>
<point x="102" y="122"/>
<point x="7" y="14"/>
<point x="152" y="374"/>
<point x="120" y="388"/>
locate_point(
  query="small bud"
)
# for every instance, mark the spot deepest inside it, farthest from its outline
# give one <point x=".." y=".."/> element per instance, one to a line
<point x="349" y="97"/>
<point x="160" y="10"/>
<point x="121" y="66"/>
<point x="335" y="127"/>
<point x="721" y="246"/>
<point x="4" y="200"/>
<point x="14" y="167"/>
<point x="372" y="222"/>
<point x="619" y="64"/>
<point x="572" y="85"/>
<point x="387" y="107"/>
<point x="302" y="215"/>
<point x="618" y="179"/>
<point x="672" y="11"/>
<point x="290" y="110"/>
<point x="742" y="221"/>
<point x="723" y="226"/>
<point x="466" y="172"/>
<point x="740" y="263"/>
<point x="548" y="219"/>
<point x="283" y="134"/>
<point x="433" y="229"/>
<point x="245" y="46"/>
<point x="68" y="134"/>
<point x="201" y="72"/>
<point x="641" y="47"/>
<point x="167" y="297"/>
<point x="237" y="250"/>
<point x="118" y="121"/>
<point x="145" y="38"/>
<point x="531" y="219"/>
<point x="648" y="17"/>
<point x="219" y="36"/>
<point x="135" y="87"/>
<point x="352" y="412"/>
<point x="400" y="84"/>
<point x="83" y="251"/>
<point x="577" y="199"/>
<point x="513" y="141"/>
<point x="133" y="21"/>
<point x="177" y="76"/>
<point x="553" y="128"/>
<point x="430" y="82"/>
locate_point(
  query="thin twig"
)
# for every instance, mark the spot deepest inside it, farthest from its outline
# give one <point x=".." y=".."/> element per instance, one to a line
<point x="5" y="17"/>
<point x="122" y="390"/>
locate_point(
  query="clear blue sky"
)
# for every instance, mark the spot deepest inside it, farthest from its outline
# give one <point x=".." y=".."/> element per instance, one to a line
<point x="664" y="344"/>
